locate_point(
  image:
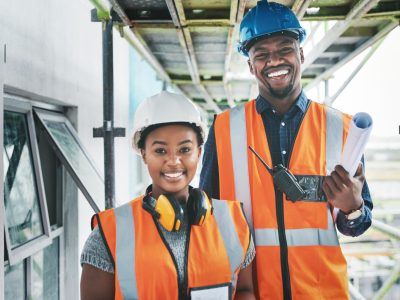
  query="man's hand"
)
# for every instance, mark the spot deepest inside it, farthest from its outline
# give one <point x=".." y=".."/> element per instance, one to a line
<point x="343" y="191"/>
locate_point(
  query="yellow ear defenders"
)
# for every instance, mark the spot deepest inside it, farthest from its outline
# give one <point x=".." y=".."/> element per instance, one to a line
<point x="169" y="212"/>
<point x="199" y="207"/>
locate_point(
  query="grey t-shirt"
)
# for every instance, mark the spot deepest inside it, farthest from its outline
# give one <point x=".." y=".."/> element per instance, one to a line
<point x="96" y="254"/>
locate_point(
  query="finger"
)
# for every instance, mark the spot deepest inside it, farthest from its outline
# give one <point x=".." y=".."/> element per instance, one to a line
<point x="360" y="175"/>
<point x="328" y="192"/>
<point x="338" y="181"/>
<point x="344" y="175"/>
<point x="360" y="170"/>
<point x="331" y="184"/>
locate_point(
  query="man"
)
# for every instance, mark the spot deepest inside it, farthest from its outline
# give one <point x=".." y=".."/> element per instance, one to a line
<point x="298" y="255"/>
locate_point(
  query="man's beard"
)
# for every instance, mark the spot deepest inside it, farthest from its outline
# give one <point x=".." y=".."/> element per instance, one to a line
<point x="281" y="93"/>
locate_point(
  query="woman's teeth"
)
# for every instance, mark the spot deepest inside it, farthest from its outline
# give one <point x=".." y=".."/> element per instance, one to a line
<point x="173" y="175"/>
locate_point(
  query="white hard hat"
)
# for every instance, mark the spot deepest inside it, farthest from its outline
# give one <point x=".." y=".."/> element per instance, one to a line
<point x="164" y="107"/>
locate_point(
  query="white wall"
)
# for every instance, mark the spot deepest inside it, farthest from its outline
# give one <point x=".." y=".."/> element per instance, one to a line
<point x="54" y="54"/>
<point x="1" y="163"/>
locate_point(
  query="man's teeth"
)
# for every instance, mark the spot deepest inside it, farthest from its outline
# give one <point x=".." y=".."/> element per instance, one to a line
<point x="278" y="73"/>
<point x="173" y="175"/>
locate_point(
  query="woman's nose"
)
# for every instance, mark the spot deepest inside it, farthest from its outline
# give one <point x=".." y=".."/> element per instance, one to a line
<point x="173" y="159"/>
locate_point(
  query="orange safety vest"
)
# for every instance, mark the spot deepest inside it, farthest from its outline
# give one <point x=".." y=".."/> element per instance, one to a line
<point x="144" y="268"/>
<point x="317" y="267"/>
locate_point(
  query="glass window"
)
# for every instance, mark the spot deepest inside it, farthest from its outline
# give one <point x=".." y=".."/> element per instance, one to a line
<point x="26" y="220"/>
<point x="71" y="152"/>
<point x="45" y="273"/>
<point x="21" y="199"/>
<point x="52" y="178"/>
<point x="14" y="282"/>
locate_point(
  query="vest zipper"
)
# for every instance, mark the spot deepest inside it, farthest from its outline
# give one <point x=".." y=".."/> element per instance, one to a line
<point x="287" y="290"/>
<point x="173" y="258"/>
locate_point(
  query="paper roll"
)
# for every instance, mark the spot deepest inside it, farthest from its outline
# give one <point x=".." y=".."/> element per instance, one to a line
<point x="359" y="132"/>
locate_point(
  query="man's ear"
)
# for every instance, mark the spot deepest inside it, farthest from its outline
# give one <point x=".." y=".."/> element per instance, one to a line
<point x="250" y="66"/>
<point x="200" y="149"/>
<point x="301" y="55"/>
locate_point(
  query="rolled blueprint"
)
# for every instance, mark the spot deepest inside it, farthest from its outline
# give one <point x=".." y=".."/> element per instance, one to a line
<point x="359" y="132"/>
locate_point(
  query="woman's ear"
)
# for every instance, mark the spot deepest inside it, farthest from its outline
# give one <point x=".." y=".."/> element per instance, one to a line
<point x="200" y="149"/>
<point x="143" y="153"/>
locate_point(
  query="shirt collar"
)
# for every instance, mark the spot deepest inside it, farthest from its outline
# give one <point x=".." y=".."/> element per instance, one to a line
<point x="263" y="105"/>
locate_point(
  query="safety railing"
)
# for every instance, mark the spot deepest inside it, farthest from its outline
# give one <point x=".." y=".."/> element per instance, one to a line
<point x="395" y="273"/>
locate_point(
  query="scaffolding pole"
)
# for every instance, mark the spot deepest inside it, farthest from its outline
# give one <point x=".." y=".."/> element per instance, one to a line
<point x="107" y="131"/>
<point x="390" y="281"/>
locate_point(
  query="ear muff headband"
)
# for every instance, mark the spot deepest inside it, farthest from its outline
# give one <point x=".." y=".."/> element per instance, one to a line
<point x="199" y="207"/>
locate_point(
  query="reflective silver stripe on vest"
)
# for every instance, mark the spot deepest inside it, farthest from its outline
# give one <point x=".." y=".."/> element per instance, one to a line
<point x="125" y="251"/>
<point x="229" y="235"/>
<point x="299" y="237"/>
<point x="334" y="134"/>
<point x="239" y="159"/>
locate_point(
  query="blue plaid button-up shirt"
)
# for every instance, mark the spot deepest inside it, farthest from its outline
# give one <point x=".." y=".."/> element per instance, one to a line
<point x="281" y="131"/>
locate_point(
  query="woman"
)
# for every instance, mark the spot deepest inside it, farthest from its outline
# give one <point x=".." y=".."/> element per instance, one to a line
<point x="172" y="242"/>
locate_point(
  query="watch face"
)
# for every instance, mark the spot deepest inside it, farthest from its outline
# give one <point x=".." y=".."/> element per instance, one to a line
<point x="354" y="215"/>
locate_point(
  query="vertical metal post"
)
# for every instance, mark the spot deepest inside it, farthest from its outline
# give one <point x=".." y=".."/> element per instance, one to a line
<point x="108" y="131"/>
<point x="108" y="114"/>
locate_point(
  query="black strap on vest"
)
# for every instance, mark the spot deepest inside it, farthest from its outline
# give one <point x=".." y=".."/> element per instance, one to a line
<point x="312" y="186"/>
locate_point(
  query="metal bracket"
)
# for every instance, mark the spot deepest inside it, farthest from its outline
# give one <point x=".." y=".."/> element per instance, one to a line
<point x="95" y="17"/>
<point x="116" y="131"/>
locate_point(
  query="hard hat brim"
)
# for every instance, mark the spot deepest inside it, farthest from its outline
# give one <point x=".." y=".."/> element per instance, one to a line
<point x="245" y="47"/>
<point x="144" y="132"/>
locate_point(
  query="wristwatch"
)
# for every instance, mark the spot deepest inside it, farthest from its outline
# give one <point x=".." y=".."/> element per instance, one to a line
<point x="354" y="214"/>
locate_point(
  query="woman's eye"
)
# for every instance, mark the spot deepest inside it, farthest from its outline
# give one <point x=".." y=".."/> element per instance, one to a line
<point x="160" y="151"/>
<point x="185" y="150"/>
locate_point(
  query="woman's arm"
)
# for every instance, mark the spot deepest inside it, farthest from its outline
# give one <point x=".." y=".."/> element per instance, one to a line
<point x="244" y="288"/>
<point x="96" y="284"/>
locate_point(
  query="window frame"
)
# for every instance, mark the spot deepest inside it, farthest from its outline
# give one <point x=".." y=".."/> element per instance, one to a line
<point x="59" y="117"/>
<point x="27" y="249"/>
<point x="27" y="266"/>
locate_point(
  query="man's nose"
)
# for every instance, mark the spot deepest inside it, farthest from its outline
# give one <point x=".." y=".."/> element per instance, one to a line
<point x="274" y="58"/>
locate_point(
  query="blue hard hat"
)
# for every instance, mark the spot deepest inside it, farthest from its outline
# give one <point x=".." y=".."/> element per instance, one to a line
<point x="268" y="19"/>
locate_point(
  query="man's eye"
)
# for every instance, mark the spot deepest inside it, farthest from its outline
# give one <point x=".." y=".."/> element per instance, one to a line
<point x="160" y="151"/>
<point x="261" y="56"/>
<point x="285" y="50"/>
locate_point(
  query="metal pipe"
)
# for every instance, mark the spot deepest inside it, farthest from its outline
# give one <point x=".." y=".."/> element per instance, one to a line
<point x="353" y="54"/>
<point x="329" y="100"/>
<point x="299" y="7"/>
<point x="177" y="12"/>
<point x="388" y="283"/>
<point x="108" y="114"/>
<point x="355" y="293"/>
<point x="359" y="9"/>
<point x="236" y="16"/>
<point x="387" y="229"/>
